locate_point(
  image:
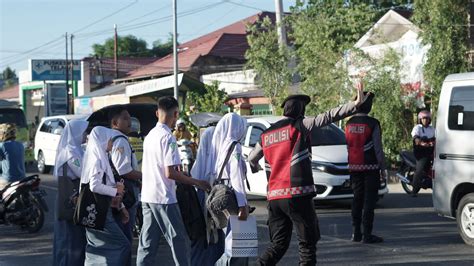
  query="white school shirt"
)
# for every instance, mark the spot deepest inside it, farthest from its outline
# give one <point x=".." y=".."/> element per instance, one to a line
<point x="160" y="150"/>
<point x="96" y="185"/>
<point x="123" y="158"/>
<point x="420" y="131"/>
<point x="73" y="168"/>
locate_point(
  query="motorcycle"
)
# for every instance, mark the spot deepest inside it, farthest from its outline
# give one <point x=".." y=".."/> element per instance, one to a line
<point x="22" y="203"/>
<point x="186" y="154"/>
<point x="406" y="171"/>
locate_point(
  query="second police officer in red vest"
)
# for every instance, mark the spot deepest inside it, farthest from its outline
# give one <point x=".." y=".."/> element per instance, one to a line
<point x="286" y="146"/>
<point x="366" y="167"/>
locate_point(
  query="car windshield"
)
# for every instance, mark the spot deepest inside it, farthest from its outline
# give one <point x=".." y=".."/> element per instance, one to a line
<point x="13" y="115"/>
<point x="328" y="135"/>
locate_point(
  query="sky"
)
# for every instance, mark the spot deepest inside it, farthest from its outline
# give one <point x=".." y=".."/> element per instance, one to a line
<point x="35" y="29"/>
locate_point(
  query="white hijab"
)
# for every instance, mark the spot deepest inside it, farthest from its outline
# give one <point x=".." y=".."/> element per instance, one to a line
<point x="95" y="159"/>
<point x="230" y="128"/>
<point x="70" y="144"/>
<point x="204" y="167"/>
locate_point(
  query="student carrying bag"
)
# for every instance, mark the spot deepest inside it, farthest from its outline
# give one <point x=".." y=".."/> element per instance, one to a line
<point x="91" y="210"/>
<point x="222" y="197"/>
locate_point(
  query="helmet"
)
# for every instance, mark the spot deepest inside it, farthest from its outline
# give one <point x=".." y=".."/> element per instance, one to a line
<point x="7" y="131"/>
<point x="180" y="122"/>
<point x="424" y="114"/>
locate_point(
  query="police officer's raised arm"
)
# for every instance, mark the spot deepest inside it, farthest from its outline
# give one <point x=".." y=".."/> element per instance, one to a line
<point x="255" y="155"/>
<point x="337" y="113"/>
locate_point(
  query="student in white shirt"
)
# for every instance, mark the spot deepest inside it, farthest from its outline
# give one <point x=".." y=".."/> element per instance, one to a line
<point x="125" y="163"/>
<point x="110" y="246"/>
<point x="161" y="214"/>
<point x="69" y="239"/>
<point x="231" y="128"/>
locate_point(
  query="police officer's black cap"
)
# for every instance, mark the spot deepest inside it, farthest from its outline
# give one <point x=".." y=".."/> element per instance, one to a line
<point x="299" y="97"/>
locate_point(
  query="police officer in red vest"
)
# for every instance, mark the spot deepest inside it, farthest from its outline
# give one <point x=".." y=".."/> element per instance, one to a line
<point x="286" y="146"/>
<point x="366" y="167"/>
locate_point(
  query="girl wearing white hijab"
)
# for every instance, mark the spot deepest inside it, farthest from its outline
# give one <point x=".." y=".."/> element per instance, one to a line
<point x="208" y="250"/>
<point x="110" y="246"/>
<point x="69" y="239"/>
<point x="231" y="128"/>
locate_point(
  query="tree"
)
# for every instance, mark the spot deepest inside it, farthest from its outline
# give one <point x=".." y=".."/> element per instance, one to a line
<point x="322" y="32"/>
<point x="444" y="26"/>
<point x="161" y="49"/>
<point x="269" y="60"/>
<point x="9" y="77"/>
<point x="211" y="99"/>
<point x="321" y="35"/>
<point x="395" y="116"/>
<point x="129" y="46"/>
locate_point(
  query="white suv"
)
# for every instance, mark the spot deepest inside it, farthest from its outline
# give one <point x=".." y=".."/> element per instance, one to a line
<point x="329" y="161"/>
<point x="47" y="139"/>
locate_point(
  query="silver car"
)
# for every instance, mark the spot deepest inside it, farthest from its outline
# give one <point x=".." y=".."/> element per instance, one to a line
<point x="329" y="161"/>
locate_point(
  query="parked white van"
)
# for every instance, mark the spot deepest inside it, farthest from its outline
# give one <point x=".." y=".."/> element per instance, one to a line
<point x="453" y="184"/>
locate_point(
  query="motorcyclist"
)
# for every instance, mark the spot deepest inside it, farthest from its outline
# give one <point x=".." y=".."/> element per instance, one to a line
<point x="182" y="132"/>
<point x="423" y="147"/>
<point x="12" y="155"/>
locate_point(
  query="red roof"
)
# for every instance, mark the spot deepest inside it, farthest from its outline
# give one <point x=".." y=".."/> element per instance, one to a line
<point x="227" y="42"/>
<point x="10" y="93"/>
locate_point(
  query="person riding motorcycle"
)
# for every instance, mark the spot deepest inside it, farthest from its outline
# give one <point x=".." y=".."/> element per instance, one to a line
<point x="423" y="148"/>
<point x="182" y="132"/>
<point x="12" y="155"/>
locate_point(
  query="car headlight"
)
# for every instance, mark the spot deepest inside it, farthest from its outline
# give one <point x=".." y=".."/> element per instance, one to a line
<point x="330" y="168"/>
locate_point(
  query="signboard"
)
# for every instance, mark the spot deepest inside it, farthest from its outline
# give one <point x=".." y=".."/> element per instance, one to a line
<point x="56" y="99"/>
<point x="152" y="85"/>
<point x="53" y="69"/>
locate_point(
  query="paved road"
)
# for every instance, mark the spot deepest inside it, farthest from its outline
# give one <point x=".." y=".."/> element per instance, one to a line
<point x="414" y="234"/>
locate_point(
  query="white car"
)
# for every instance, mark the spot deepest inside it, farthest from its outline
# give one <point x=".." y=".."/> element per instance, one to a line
<point x="329" y="161"/>
<point x="47" y="139"/>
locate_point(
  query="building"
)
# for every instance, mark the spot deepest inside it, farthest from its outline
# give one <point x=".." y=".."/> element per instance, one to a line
<point x="395" y="31"/>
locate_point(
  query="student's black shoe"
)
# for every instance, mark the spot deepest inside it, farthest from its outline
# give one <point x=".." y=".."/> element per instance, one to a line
<point x="356" y="237"/>
<point x="372" y="239"/>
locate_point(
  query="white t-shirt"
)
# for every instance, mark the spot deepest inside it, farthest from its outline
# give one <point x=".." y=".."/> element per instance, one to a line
<point x="160" y="150"/>
<point x="420" y="131"/>
<point x="122" y="156"/>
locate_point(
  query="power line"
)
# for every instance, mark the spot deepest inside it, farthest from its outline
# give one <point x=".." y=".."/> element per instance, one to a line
<point x="106" y="17"/>
<point x="145" y="15"/>
<point x="36" y="48"/>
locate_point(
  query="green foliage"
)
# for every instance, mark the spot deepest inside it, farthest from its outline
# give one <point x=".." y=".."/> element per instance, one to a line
<point x="9" y="77"/>
<point x="131" y="46"/>
<point x="383" y="78"/>
<point x="269" y="60"/>
<point x="444" y="26"/>
<point x="210" y="100"/>
<point x="322" y="31"/>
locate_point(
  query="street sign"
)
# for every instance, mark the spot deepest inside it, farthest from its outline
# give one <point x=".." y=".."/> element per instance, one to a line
<point x="53" y="69"/>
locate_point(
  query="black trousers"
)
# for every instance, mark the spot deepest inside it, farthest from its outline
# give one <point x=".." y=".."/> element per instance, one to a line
<point x="282" y="214"/>
<point x="422" y="166"/>
<point x="365" y="186"/>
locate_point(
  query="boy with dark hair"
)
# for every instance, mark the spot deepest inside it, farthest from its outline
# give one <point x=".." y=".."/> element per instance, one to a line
<point x="161" y="213"/>
<point x="12" y="155"/>
<point x="366" y="167"/>
<point x="125" y="166"/>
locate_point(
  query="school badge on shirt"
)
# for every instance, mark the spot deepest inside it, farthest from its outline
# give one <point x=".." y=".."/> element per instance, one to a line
<point x="173" y="146"/>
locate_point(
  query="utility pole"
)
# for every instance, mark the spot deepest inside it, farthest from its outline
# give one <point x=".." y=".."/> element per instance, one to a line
<point x="71" y="109"/>
<point x="279" y="20"/>
<point x="115" y="51"/>
<point x="175" y="49"/>
<point x="67" y="80"/>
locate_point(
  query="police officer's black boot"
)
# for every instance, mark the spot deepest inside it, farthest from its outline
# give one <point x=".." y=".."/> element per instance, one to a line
<point x="369" y="238"/>
<point x="356" y="234"/>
